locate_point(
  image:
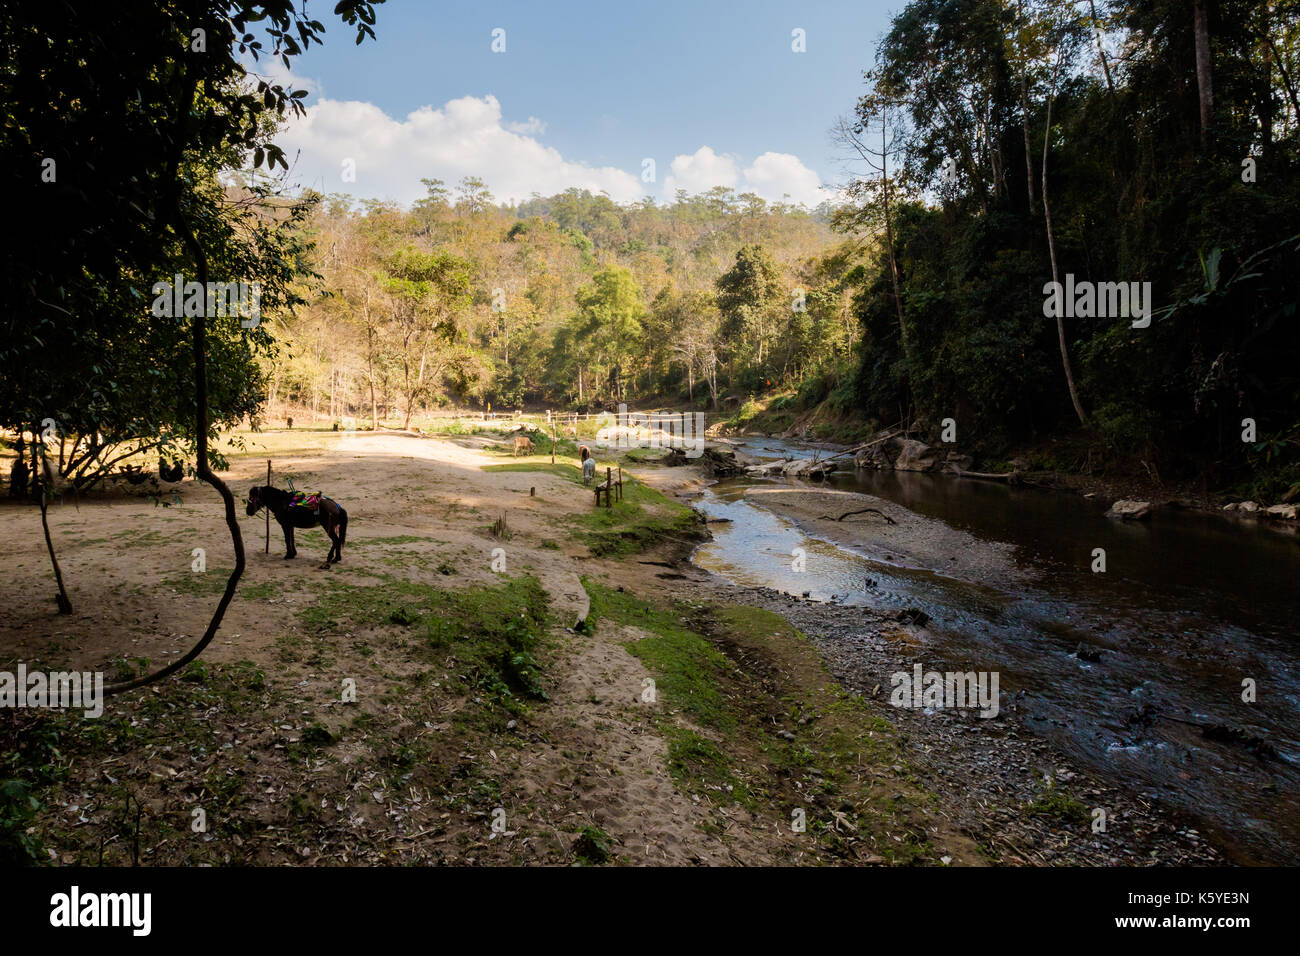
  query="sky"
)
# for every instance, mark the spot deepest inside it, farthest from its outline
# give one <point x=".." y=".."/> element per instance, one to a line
<point x="635" y="99"/>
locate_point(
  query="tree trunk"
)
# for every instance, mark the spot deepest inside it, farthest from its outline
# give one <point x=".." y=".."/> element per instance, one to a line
<point x="1204" y="78"/>
<point x="1101" y="51"/>
<point x="370" y="376"/>
<point x="1056" y="275"/>
<point x="889" y="235"/>
<point x="65" y="605"/>
<point x="1029" y="153"/>
<point x="203" y="467"/>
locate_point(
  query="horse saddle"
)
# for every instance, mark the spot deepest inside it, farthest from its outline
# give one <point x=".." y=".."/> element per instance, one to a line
<point x="305" y="499"/>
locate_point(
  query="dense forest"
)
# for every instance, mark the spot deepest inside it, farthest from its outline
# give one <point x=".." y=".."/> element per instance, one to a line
<point x="1150" y="141"/>
<point x="1142" y="147"/>
<point x="996" y="148"/>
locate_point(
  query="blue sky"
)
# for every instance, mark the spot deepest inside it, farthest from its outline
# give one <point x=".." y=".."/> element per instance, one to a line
<point x="583" y="94"/>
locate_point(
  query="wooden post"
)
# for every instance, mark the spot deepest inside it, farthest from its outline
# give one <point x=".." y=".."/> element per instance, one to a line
<point x="620" y="481"/>
<point x="548" y="415"/>
<point x="268" y="510"/>
<point x="609" y="487"/>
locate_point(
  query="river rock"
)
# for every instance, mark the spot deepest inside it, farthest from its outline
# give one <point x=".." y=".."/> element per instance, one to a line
<point x="1286" y="512"/>
<point x="877" y="456"/>
<point x="916" y="456"/>
<point x="796" y="468"/>
<point x="957" y="463"/>
<point x="1249" y="507"/>
<point x="720" y="463"/>
<point x="1130" y="510"/>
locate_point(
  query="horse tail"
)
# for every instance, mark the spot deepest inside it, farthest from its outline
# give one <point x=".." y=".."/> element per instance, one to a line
<point x="343" y="527"/>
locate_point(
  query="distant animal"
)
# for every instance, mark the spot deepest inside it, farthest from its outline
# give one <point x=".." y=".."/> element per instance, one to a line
<point x="523" y="443"/>
<point x="289" y="422"/>
<point x="299" y="510"/>
<point x="174" y="472"/>
<point x="133" y="474"/>
<point x="588" y="464"/>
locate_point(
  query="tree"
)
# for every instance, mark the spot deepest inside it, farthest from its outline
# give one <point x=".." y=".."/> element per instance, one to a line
<point x="609" y="323"/>
<point x="115" y="128"/>
<point x="749" y="295"/>
<point x="427" y="292"/>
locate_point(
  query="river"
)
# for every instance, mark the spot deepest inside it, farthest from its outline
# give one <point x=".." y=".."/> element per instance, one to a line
<point x="1189" y="606"/>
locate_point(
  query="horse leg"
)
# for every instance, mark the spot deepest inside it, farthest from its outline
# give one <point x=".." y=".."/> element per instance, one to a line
<point x="289" y="550"/>
<point x="328" y="524"/>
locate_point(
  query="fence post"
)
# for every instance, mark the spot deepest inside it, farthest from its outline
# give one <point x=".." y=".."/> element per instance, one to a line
<point x="609" y="487"/>
<point x="268" y="510"/>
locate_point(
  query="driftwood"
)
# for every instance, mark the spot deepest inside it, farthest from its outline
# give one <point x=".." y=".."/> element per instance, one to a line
<point x="892" y="433"/>
<point x="861" y="511"/>
<point x="1010" y="477"/>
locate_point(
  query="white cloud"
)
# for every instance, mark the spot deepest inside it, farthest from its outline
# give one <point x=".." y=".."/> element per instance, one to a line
<point x="777" y="177"/>
<point x="700" y="171"/>
<point x="533" y="126"/>
<point x="468" y="137"/>
<point x="465" y="137"/>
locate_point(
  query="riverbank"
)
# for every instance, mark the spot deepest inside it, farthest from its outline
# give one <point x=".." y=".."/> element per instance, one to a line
<point x="1068" y="464"/>
<point x="1137" y="673"/>
<point x="1021" y="799"/>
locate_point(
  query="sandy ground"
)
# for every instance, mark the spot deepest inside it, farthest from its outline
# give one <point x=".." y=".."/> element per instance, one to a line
<point x="121" y="555"/>
<point x="420" y="509"/>
<point x="888" y="532"/>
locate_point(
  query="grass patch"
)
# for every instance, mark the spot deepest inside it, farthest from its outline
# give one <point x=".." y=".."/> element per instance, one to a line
<point x="642" y="518"/>
<point x="487" y="636"/>
<point x="592" y="847"/>
<point x="752" y="716"/>
<point x="1055" y="803"/>
<point x="563" y="469"/>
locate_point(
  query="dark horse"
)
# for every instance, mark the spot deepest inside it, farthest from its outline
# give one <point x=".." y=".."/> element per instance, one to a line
<point x="327" y="513"/>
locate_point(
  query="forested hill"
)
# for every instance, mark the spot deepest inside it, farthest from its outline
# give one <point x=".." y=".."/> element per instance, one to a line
<point x="569" y="300"/>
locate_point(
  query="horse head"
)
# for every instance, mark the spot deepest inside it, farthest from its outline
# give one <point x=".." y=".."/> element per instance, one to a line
<point x="254" y="500"/>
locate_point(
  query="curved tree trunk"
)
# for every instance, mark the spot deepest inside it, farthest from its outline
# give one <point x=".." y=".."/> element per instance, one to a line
<point x="203" y="467"/>
<point x="1056" y="275"/>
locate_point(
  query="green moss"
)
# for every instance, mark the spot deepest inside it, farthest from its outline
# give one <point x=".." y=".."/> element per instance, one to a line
<point x="1055" y="803"/>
